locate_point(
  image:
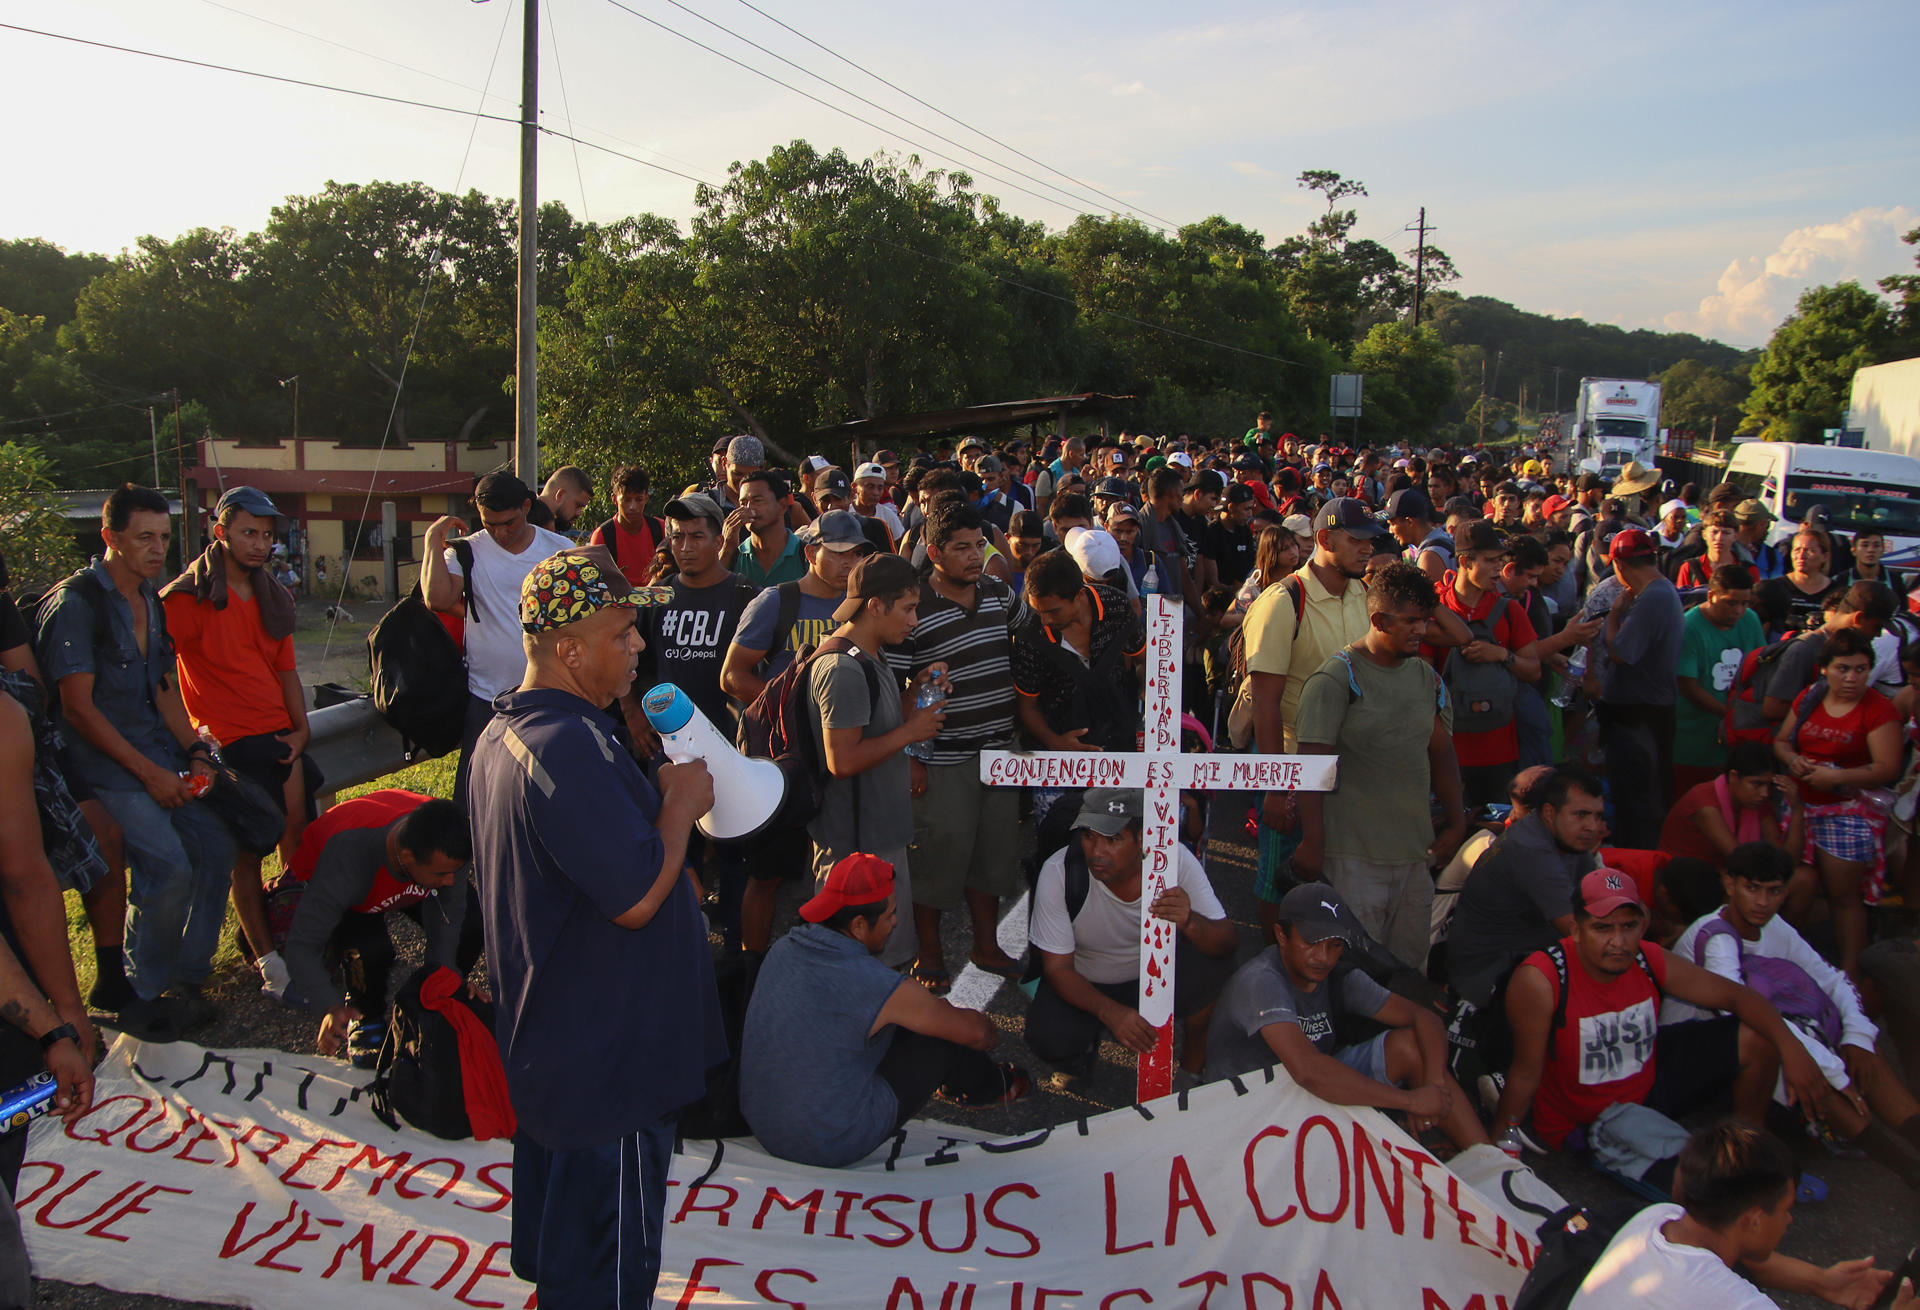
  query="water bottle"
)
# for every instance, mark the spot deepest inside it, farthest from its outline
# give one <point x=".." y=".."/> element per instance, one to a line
<point x="931" y="693"/>
<point x="1150" y="581"/>
<point x="1570" y="681"/>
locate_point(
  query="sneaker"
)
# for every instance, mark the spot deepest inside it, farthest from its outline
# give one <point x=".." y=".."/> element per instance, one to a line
<point x="110" y="994"/>
<point x="193" y="1007"/>
<point x="1490" y="1086"/>
<point x="156" y="1020"/>
<point x="364" y="1040"/>
<point x="1015" y="1085"/>
<point x="1517" y="1139"/>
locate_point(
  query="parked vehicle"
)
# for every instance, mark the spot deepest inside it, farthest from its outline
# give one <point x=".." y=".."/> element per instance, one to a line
<point x="1859" y="488"/>
<point x="1616" y="421"/>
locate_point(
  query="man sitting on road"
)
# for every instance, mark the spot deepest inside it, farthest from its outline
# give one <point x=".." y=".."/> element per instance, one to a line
<point x="1595" y="1040"/>
<point x="839" y="1050"/>
<point x="1292" y="1003"/>
<point x="390" y="850"/>
<point x="1735" y="1199"/>
<point x="1086" y="935"/>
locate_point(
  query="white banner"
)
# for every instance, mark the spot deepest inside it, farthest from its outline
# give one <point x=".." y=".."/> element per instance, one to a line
<point x="246" y="1178"/>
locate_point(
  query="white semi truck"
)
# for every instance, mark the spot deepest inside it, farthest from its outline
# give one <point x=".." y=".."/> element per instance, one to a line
<point x="1616" y="421"/>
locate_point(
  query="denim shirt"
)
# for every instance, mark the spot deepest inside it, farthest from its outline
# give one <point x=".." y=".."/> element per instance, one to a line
<point x="125" y="684"/>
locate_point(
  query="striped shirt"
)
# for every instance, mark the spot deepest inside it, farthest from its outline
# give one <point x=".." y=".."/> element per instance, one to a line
<point x="974" y="644"/>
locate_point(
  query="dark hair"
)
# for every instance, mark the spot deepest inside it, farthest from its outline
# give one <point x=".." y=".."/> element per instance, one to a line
<point x="1530" y="786"/>
<point x="1869" y="531"/>
<point x="1558" y="537"/>
<point x="949" y="516"/>
<point x="1746" y="759"/>
<point x="777" y="485"/>
<point x="842" y="919"/>
<point x="1731" y="1168"/>
<point x="1564" y="781"/>
<point x="634" y="480"/>
<point x="1759" y="861"/>
<point x="1845" y="642"/>
<point x="1692" y="885"/>
<point x="1526" y="551"/>
<point x="1400" y="585"/>
<point x="126" y="500"/>
<point x="437" y="828"/>
<point x="1459" y="505"/>
<point x="1719" y="518"/>
<point x="1730" y="577"/>
<point x="1216" y="600"/>
<point x="1873" y="599"/>
<point x="1729" y="493"/>
<point x="1069" y="505"/>
<point x="1164" y="480"/>
<point x="1055" y="575"/>
<point x="943" y="479"/>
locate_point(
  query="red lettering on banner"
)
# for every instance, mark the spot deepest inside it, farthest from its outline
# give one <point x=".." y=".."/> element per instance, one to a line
<point x="902" y="1284"/>
<point x="503" y="1192"/>
<point x="44" y="1215"/>
<point x="105" y="1136"/>
<point x="1466" y="1217"/>
<point x="399" y="1277"/>
<point x="1040" y="1295"/>
<point x="760" y="1286"/>
<point x="133" y="1138"/>
<point x="1324" y="1297"/>
<point x="131" y="1208"/>
<point x="485" y="1269"/>
<point x="926" y="1228"/>
<point x="721" y="1211"/>
<point x="247" y="1137"/>
<point x="368" y="1160"/>
<point x="306" y="1156"/>
<point x="994" y="1221"/>
<point x="965" y="1294"/>
<point x="1183" y="1195"/>
<point x="1211" y="1279"/>
<point x="694" y="1286"/>
<point x="1366" y="1161"/>
<point x="846" y="1200"/>
<point x="1113" y="1224"/>
<point x="1420" y="1160"/>
<point x="810" y="1203"/>
<point x="872" y="1207"/>
<point x="1300" y="1170"/>
<point x="1253" y="1187"/>
<point x="1431" y="1300"/>
<point x="232" y="1246"/>
<point x="363" y="1242"/>
<point x="1113" y="1297"/>
<point x="453" y="1176"/>
<point x="54" y="1174"/>
<point x="1249" y="1281"/>
<point x="301" y="1233"/>
<point x="204" y="1133"/>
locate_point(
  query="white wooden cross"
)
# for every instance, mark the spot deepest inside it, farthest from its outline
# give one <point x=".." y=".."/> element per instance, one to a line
<point x="1162" y="771"/>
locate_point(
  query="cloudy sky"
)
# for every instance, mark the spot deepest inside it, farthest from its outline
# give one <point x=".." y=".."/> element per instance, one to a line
<point x="1690" y="166"/>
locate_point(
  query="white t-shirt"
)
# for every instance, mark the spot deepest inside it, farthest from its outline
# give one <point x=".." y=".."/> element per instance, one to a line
<point x="496" y="661"/>
<point x="1105" y="939"/>
<point x="1642" y="1270"/>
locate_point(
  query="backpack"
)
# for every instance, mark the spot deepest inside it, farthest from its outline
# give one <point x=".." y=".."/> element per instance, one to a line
<point x="1571" y="1244"/>
<point x="1557" y="953"/>
<point x="1789" y="988"/>
<point x="609" y="532"/>
<point x="717" y="1113"/>
<point x="418" y="1075"/>
<point x="1752" y="684"/>
<point x="1240" y="717"/>
<point x="419" y="671"/>
<point x="1483" y="694"/>
<point x="776" y="727"/>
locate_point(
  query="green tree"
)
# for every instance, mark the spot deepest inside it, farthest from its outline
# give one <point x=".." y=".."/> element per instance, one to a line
<point x="1803" y="378"/>
<point x="1905" y="289"/>
<point x="1409" y="379"/>
<point x="40" y="280"/>
<point x="39" y="540"/>
<point x="1702" y="400"/>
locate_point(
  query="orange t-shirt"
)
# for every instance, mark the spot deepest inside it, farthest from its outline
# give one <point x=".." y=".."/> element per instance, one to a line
<point x="229" y="669"/>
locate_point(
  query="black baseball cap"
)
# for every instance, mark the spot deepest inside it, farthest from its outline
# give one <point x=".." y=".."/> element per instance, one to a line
<point x="1409" y="503"/>
<point x="1480" y="535"/>
<point x="1210" y="480"/>
<point x="1348" y="515"/>
<point x="1317" y="912"/>
<point x="501" y="491"/>
<point x="1239" y="494"/>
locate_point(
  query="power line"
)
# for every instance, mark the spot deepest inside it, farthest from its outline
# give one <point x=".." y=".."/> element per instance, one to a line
<point x="87" y="409"/>
<point x="553" y="39"/>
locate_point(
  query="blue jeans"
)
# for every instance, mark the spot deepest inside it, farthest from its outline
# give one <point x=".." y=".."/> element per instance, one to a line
<point x="179" y="867"/>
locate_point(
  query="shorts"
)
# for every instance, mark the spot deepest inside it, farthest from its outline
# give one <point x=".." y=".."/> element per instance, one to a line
<point x="775" y="853"/>
<point x="966" y="837"/>
<point x="1368" y="1057"/>
<point x="259" y="758"/>
<point x="1694" y="1065"/>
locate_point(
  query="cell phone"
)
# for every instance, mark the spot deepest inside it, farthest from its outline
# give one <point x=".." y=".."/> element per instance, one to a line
<point x="1496" y="811"/>
<point x="1909" y="1269"/>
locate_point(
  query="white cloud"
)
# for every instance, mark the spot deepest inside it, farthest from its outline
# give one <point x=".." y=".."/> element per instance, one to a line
<point x="1757" y="292"/>
<point x="1247" y="168"/>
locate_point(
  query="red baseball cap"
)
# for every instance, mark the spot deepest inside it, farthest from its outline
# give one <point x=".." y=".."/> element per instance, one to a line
<point x="1554" y="504"/>
<point x="1632" y="543"/>
<point x="857" y="880"/>
<point x="1602" y="892"/>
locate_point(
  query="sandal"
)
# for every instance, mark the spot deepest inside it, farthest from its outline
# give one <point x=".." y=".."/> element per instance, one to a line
<point x="937" y="981"/>
<point x="1014" y="1086"/>
<point x="1011" y="969"/>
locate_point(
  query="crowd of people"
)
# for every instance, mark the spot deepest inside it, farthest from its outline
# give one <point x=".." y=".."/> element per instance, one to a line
<point x="1618" y="837"/>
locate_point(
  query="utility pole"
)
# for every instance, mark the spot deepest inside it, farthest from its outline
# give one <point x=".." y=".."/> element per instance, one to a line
<point x="526" y="430"/>
<point x="1557" y="371"/>
<point x="1420" y="262"/>
<point x="1483" y="398"/>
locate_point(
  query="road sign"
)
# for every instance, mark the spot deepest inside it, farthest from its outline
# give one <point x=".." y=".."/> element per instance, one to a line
<point x="1345" y="399"/>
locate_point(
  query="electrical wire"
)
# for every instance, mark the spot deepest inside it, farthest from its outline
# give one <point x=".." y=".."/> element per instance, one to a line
<point x="553" y="39"/>
<point x="88" y="409"/>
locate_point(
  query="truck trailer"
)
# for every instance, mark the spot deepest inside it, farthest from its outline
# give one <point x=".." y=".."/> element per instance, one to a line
<point x="1616" y="422"/>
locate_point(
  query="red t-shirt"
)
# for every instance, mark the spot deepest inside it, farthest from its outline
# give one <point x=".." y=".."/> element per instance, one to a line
<point x="1679" y="835"/>
<point x="1839" y="742"/>
<point x="376" y="809"/>
<point x="229" y="670"/>
<point x="633" y="551"/>
<point x="1514" y="631"/>
<point x="1603" y="1054"/>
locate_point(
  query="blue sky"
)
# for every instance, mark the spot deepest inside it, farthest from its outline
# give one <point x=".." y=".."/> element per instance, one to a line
<point x="1666" y="165"/>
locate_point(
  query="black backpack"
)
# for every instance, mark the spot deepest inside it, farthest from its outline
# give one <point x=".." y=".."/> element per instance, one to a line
<point x="420" y="672"/>
<point x="717" y="1113"/>
<point x="417" y="1073"/>
<point x="777" y="726"/>
<point x="1571" y="1244"/>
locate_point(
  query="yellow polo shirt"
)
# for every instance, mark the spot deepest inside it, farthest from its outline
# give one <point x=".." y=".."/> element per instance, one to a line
<point x="1329" y="624"/>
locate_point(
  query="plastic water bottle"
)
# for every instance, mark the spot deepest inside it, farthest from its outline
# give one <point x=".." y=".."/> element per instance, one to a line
<point x="1150" y="581"/>
<point x="931" y="693"/>
<point x="1570" y="682"/>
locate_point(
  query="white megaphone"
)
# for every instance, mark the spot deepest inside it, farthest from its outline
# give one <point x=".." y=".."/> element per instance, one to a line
<point x="746" y="792"/>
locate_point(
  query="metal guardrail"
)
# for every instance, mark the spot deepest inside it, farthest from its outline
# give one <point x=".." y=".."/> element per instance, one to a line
<point x="352" y="744"/>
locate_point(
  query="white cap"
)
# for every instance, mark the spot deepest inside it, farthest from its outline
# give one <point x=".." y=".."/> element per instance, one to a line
<point x="1095" y="551"/>
<point x="1181" y="458"/>
<point x="1298" y="524"/>
<point x="817" y="462"/>
<point x="870" y="470"/>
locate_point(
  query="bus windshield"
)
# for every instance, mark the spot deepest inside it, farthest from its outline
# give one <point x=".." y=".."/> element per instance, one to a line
<point x="1620" y="427"/>
<point x="1855" y="505"/>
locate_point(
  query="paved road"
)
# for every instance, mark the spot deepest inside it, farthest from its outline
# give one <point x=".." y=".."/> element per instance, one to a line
<point x="1871" y="1212"/>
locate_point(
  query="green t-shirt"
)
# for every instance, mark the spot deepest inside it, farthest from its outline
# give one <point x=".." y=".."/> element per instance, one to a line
<point x="1711" y="656"/>
<point x="1378" y="810"/>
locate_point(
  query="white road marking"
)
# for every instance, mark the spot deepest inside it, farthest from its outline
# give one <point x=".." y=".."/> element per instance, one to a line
<point x="975" y="988"/>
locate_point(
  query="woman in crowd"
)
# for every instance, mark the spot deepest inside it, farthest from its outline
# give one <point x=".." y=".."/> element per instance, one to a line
<point x="1277" y="555"/>
<point x="1752" y="801"/>
<point x="1792" y="602"/>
